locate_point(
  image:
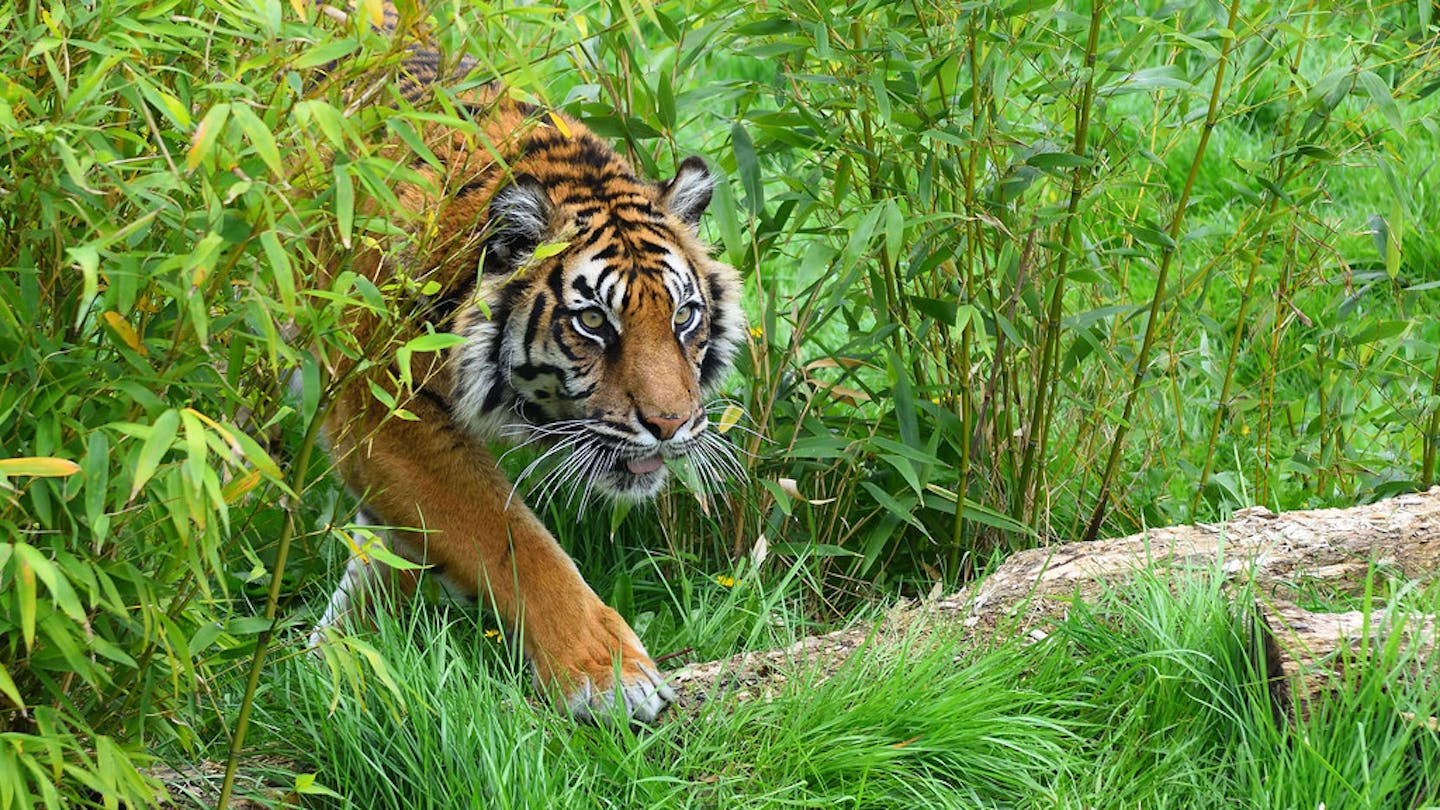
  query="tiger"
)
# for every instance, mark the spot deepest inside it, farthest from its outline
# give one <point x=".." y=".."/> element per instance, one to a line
<point x="593" y="320"/>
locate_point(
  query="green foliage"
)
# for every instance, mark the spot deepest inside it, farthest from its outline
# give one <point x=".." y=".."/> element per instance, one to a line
<point x="958" y="237"/>
<point x="1174" y="680"/>
<point x="1155" y="697"/>
<point x="154" y="247"/>
<point x="952" y="220"/>
<point x="899" y="728"/>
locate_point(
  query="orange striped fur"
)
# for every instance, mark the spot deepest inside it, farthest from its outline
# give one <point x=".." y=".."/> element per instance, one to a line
<point x="601" y="351"/>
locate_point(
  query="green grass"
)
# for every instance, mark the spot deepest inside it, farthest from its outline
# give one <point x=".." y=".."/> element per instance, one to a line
<point x="1152" y="698"/>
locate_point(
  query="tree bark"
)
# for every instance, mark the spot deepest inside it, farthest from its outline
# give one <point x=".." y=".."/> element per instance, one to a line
<point x="1289" y="559"/>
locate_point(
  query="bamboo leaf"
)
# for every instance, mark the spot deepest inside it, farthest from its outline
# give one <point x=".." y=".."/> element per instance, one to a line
<point x="157" y="444"/>
<point x="260" y="138"/>
<point x="88" y="258"/>
<point x="434" y="342"/>
<point x="547" y="250"/>
<point x="239" y="485"/>
<point x="196" y="451"/>
<point x="1395" y="237"/>
<point x="205" y="134"/>
<point x="25" y="595"/>
<point x="1379" y="93"/>
<point x="1058" y="160"/>
<point x="325" y="53"/>
<point x="344" y="203"/>
<point x="38" y="467"/>
<point x="1148" y="80"/>
<point x="665" y="103"/>
<point x="813" y="550"/>
<point x="894" y="507"/>
<point x="281" y="270"/>
<point x="55" y="582"/>
<point x="748" y="166"/>
<point x="894" y="233"/>
<point x="305" y="784"/>
<point x="9" y="690"/>
<point x="1151" y="236"/>
<point x="124" y="331"/>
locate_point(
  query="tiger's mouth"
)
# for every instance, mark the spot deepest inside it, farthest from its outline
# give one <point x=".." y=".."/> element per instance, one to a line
<point x="636" y="478"/>
<point x="645" y="464"/>
<point x="580" y="462"/>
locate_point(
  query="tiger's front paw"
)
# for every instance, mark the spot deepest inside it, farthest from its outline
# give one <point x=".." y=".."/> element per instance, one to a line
<point x="582" y="675"/>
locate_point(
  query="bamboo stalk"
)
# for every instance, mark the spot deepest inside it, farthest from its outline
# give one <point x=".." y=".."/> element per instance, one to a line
<point x="272" y="600"/>
<point x="963" y="399"/>
<point x="1245" y="296"/>
<point x="1043" y="401"/>
<point x="1168" y="256"/>
<point x="1432" y="429"/>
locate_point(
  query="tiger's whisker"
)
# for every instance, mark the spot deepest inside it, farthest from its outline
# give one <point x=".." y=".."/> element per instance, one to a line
<point x="549" y="453"/>
<point x="725" y="455"/>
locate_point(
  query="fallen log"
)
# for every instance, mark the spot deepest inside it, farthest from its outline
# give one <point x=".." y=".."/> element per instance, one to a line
<point x="1284" y="558"/>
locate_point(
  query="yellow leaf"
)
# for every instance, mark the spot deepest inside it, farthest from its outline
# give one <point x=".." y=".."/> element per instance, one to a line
<point x="240" y="486"/>
<point x="729" y="418"/>
<point x="560" y="124"/>
<point x="25" y="591"/>
<point x="356" y="547"/>
<point x="215" y="426"/>
<point x="374" y="11"/>
<point x="7" y="688"/>
<point x="124" y="331"/>
<point x="40" y="467"/>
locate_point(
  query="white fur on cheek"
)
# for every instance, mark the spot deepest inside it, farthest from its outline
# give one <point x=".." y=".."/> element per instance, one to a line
<point x="729" y="326"/>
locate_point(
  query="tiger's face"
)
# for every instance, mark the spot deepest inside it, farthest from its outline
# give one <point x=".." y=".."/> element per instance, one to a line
<point x="604" y="348"/>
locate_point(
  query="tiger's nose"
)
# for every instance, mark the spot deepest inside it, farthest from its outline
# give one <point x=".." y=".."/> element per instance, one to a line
<point x="663" y="426"/>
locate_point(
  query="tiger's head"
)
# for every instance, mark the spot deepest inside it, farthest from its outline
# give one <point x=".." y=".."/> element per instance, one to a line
<point x="602" y="321"/>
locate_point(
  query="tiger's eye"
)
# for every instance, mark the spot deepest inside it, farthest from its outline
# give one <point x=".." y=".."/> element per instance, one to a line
<point x="684" y="314"/>
<point x="592" y="318"/>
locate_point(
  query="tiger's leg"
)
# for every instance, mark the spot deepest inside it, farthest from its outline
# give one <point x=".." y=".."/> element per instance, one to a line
<point x="430" y="475"/>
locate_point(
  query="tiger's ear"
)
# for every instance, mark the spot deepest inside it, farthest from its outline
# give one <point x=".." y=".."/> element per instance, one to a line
<point x="687" y="195"/>
<point x="520" y="218"/>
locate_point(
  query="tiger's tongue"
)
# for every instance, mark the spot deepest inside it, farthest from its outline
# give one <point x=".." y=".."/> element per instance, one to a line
<point x="641" y="466"/>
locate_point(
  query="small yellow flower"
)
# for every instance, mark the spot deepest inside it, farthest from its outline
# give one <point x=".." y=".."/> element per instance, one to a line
<point x="494" y="635"/>
<point x="724" y="581"/>
<point x="756" y="332"/>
